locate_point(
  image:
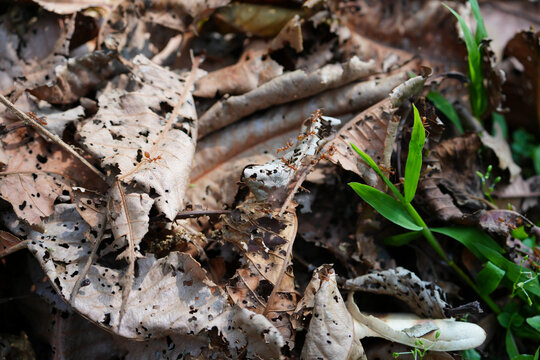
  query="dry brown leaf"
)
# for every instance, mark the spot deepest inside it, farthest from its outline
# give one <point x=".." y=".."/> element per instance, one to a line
<point x="266" y="284"/>
<point x="449" y="190"/>
<point x="132" y="136"/>
<point x="263" y="20"/>
<point x="254" y="68"/>
<point x="64" y="7"/>
<point x="175" y="282"/>
<point x="221" y="156"/>
<point x="331" y="333"/>
<point x="29" y="60"/>
<point x="283" y="89"/>
<point x="290" y="34"/>
<point x="276" y="181"/>
<point x="373" y="131"/>
<point x="77" y="77"/>
<point x="424" y="298"/>
<point x="393" y="32"/>
<point x="522" y="88"/>
<point x="37" y="172"/>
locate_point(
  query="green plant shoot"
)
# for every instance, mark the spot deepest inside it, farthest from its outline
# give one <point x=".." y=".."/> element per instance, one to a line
<point x="477" y="92"/>
<point x="414" y="159"/>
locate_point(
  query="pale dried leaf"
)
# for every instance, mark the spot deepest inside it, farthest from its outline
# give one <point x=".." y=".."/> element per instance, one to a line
<point x="277" y="180"/>
<point x="175" y="283"/>
<point x="32" y="194"/>
<point x="331" y="329"/>
<point x="290" y="34"/>
<point x="453" y="335"/>
<point x="424" y="298"/>
<point x="77" y="77"/>
<point x="221" y="156"/>
<point x="254" y="68"/>
<point x="64" y="7"/>
<point x="286" y="88"/>
<point x="132" y="132"/>
<point x="501" y="148"/>
<point x="29" y="61"/>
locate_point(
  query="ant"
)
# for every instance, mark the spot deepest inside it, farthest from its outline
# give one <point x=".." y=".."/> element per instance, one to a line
<point x="288" y="145"/>
<point x="288" y="164"/>
<point x="42" y="120"/>
<point x="149" y="159"/>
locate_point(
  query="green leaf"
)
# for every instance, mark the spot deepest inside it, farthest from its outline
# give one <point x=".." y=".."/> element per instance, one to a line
<point x="523" y="357"/>
<point x="376" y="168"/>
<point x="481" y="32"/>
<point x="471" y="354"/>
<point x="485" y="248"/>
<point x="446" y="108"/>
<point x="489" y="278"/>
<point x="414" y="159"/>
<point x="534" y="322"/>
<point x="536" y="159"/>
<point x="476" y="89"/>
<point x="386" y="205"/>
<point x="511" y="347"/>
<point x="402" y="239"/>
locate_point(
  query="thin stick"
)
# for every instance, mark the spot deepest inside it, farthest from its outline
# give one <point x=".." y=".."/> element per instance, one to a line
<point x="48" y="135"/>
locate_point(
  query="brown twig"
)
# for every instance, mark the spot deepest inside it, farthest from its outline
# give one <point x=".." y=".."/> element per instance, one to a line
<point x="48" y="135"/>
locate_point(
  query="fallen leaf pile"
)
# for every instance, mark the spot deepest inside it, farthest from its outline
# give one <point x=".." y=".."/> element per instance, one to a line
<point x="173" y="177"/>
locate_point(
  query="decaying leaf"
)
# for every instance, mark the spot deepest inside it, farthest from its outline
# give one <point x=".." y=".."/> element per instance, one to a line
<point x="501" y="148"/>
<point x="132" y="135"/>
<point x="221" y="156"/>
<point x="423" y="298"/>
<point x="36" y="173"/>
<point x="28" y="60"/>
<point x="77" y="77"/>
<point x="253" y="69"/>
<point x="257" y="19"/>
<point x="331" y="332"/>
<point x="283" y="89"/>
<point x="266" y="283"/>
<point x="373" y="131"/>
<point x="449" y="191"/>
<point x="408" y="328"/>
<point x="171" y="296"/>
<point x="277" y="181"/>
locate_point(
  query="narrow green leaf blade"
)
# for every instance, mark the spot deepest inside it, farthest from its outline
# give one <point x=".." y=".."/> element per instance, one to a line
<point x="386" y="205"/>
<point x="376" y="168"/>
<point x="476" y="88"/>
<point x="489" y="278"/>
<point x="486" y="249"/>
<point x="446" y="108"/>
<point x="511" y="347"/>
<point x="414" y="159"/>
<point x="481" y="32"/>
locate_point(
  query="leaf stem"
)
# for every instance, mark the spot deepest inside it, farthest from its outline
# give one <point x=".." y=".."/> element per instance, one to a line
<point x="49" y="135"/>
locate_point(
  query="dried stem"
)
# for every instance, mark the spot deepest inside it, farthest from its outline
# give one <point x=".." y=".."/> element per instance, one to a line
<point x="49" y="135"/>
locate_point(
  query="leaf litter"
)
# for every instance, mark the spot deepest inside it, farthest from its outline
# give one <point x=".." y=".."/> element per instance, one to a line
<point x="146" y="133"/>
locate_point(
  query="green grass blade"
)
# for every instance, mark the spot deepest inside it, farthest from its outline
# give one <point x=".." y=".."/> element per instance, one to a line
<point x="414" y="159"/>
<point x="489" y="278"/>
<point x="446" y="108"/>
<point x="386" y="205"/>
<point x="376" y="168"/>
<point x="481" y="32"/>
<point x="476" y="89"/>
